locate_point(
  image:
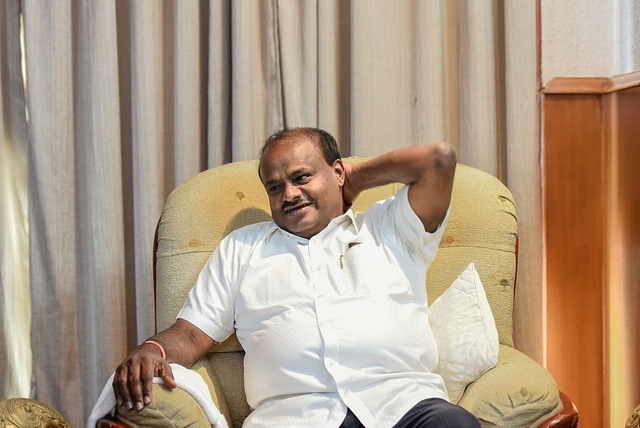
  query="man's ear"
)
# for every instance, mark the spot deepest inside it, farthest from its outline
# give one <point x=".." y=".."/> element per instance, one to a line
<point x="338" y="170"/>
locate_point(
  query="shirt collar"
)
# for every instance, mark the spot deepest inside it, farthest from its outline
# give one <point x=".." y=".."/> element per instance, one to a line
<point x="348" y="216"/>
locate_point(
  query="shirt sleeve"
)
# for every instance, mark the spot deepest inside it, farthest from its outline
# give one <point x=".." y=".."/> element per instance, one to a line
<point x="210" y="303"/>
<point x="400" y="228"/>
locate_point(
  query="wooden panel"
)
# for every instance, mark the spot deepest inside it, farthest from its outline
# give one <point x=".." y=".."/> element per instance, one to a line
<point x="574" y="233"/>
<point x="592" y="243"/>
<point x="622" y="277"/>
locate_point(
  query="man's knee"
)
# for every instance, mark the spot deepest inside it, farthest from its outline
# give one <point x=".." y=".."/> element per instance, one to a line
<point x="436" y="413"/>
<point x="456" y="416"/>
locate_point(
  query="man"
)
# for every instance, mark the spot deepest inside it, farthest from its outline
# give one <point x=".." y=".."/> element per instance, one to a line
<point x="329" y="305"/>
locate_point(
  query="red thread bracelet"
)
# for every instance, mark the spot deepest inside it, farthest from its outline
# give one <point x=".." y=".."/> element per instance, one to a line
<point x="157" y="345"/>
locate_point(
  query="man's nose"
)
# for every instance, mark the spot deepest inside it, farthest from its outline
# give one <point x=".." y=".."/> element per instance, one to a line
<point x="291" y="192"/>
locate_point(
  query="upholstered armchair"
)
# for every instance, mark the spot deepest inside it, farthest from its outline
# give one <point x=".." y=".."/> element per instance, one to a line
<point x="482" y="229"/>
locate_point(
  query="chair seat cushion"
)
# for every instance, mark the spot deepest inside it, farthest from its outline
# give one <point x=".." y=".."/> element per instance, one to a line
<point x="517" y="392"/>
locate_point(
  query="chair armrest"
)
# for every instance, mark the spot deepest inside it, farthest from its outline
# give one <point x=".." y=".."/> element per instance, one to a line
<point x="567" y="418"/>
<point x="174" y="405"/>
<point x="517" y="392"/>
<point x="110" y="421"/>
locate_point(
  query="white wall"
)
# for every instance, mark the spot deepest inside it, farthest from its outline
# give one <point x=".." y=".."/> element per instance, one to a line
<point x="589" y="38"/>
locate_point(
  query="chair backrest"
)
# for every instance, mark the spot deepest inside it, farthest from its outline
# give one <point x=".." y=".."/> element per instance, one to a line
<point x="205" y="208"/>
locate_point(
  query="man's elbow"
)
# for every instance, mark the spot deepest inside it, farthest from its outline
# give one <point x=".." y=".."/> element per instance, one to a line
<point x="444" y="159"/>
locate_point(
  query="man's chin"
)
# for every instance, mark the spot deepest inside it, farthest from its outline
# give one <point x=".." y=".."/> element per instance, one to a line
<point x="301" y="230"/>
<point x="301" y="233"/>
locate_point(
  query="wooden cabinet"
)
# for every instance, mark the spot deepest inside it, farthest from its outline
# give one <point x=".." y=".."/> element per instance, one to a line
<point x="591" y="194"/>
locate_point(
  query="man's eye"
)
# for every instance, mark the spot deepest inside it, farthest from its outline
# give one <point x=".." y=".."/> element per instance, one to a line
<point x="275" y="188"/>
<point x="302" y="178"/>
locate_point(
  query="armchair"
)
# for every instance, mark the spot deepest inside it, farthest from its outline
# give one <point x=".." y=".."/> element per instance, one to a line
<point x="482" y="229"/>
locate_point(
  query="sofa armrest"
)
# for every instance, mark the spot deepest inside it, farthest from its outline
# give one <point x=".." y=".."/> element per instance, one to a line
<point x="517" y="392"/>
<point x="567" y="418"/>
<point x="171" y="407"/>
<point x="110" y="421"/>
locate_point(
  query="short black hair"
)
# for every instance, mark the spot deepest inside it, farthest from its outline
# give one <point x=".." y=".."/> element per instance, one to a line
<point x="321" y="138"/>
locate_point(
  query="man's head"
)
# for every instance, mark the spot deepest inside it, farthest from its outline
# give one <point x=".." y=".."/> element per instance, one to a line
<point x="303" y="175"/>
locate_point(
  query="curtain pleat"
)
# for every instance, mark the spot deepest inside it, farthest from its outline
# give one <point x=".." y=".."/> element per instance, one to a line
<point x="76" y="205"/>
<point x="219" y="115"/>
<point x="52" y="214"/>
<point x="298" y="58"/>
<point x="147" y="166"/>
<point x="127" y="99"/>
<point x="187" y="98"/>
<point x="477" y="83"/>
<point x="15" y="311"/>
<point x="256" y="84"/>
<point x="522" y="163"/>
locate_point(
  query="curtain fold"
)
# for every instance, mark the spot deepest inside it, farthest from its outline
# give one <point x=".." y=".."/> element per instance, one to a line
<point x="523" y="172"/>
<point x="127" y="99"/>
<point x="76" y="204"/>
<point x="15" y="311"/>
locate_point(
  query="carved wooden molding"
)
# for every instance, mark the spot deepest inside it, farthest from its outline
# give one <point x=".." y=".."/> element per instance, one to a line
<point x="634" y="419"/>
<point x="24" y="413"/>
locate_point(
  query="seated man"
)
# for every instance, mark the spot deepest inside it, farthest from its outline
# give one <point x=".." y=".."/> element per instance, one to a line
<point x="330" y="305"/>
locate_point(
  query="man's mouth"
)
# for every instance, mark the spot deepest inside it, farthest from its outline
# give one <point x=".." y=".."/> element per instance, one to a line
<point x="296" y="209"/>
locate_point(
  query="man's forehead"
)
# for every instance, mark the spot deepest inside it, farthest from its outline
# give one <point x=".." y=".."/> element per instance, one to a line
<point x="292" y="150"/>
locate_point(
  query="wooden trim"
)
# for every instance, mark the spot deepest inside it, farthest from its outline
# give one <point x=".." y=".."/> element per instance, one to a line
<point x="574" y="232"/>
<point x="592" y="85"/>
<point x="567" y="418"/>
<point x="590" y="157"/>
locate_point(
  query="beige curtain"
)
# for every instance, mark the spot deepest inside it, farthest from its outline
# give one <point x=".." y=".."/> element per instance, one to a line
<point x="128" y="98"/>
<point x="15" y="312"/>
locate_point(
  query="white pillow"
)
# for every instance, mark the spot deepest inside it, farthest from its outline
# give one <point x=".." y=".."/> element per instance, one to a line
<point x="465" y="332"/>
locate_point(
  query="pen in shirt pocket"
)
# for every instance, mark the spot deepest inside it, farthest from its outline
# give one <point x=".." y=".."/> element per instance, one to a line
<point x="349" y="246"/>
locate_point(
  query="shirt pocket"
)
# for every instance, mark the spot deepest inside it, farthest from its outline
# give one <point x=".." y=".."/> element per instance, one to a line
<point x="368" y="270"/>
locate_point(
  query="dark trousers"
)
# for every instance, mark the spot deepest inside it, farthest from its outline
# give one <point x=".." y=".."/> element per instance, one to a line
<point x="429" y="413"/>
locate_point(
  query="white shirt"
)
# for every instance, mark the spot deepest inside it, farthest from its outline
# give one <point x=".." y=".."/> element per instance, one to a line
<point x="333" y="322"/>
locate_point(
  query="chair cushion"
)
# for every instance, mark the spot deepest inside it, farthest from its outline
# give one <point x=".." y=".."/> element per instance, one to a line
<point x="517" y="392"/>
<point x="465" y="332"/>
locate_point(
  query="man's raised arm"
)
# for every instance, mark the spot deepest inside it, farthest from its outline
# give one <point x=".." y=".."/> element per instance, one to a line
<point x="428" y="169"/>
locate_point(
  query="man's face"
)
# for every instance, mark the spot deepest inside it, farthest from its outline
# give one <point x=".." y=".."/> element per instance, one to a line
<point x="305" y="193"/>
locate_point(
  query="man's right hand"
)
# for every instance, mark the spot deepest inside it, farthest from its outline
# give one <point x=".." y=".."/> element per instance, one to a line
<point x="133" y="380"/>
<point x="184" y="344"/>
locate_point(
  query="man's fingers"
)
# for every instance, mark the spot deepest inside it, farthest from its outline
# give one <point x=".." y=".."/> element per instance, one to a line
<point x="146" y="380"/>
<point x="121" y="386"/>
<point x="134" y="383"/>
<point x="162" y="370"/>
<point x="167" y="376"/>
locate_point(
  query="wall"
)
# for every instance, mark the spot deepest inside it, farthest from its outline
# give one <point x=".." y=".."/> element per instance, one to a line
<point x="589" y="38"/>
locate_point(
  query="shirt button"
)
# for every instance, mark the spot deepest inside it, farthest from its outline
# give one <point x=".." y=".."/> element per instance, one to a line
<point x="346" y="394"/>
<point x="318" y="267"/>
